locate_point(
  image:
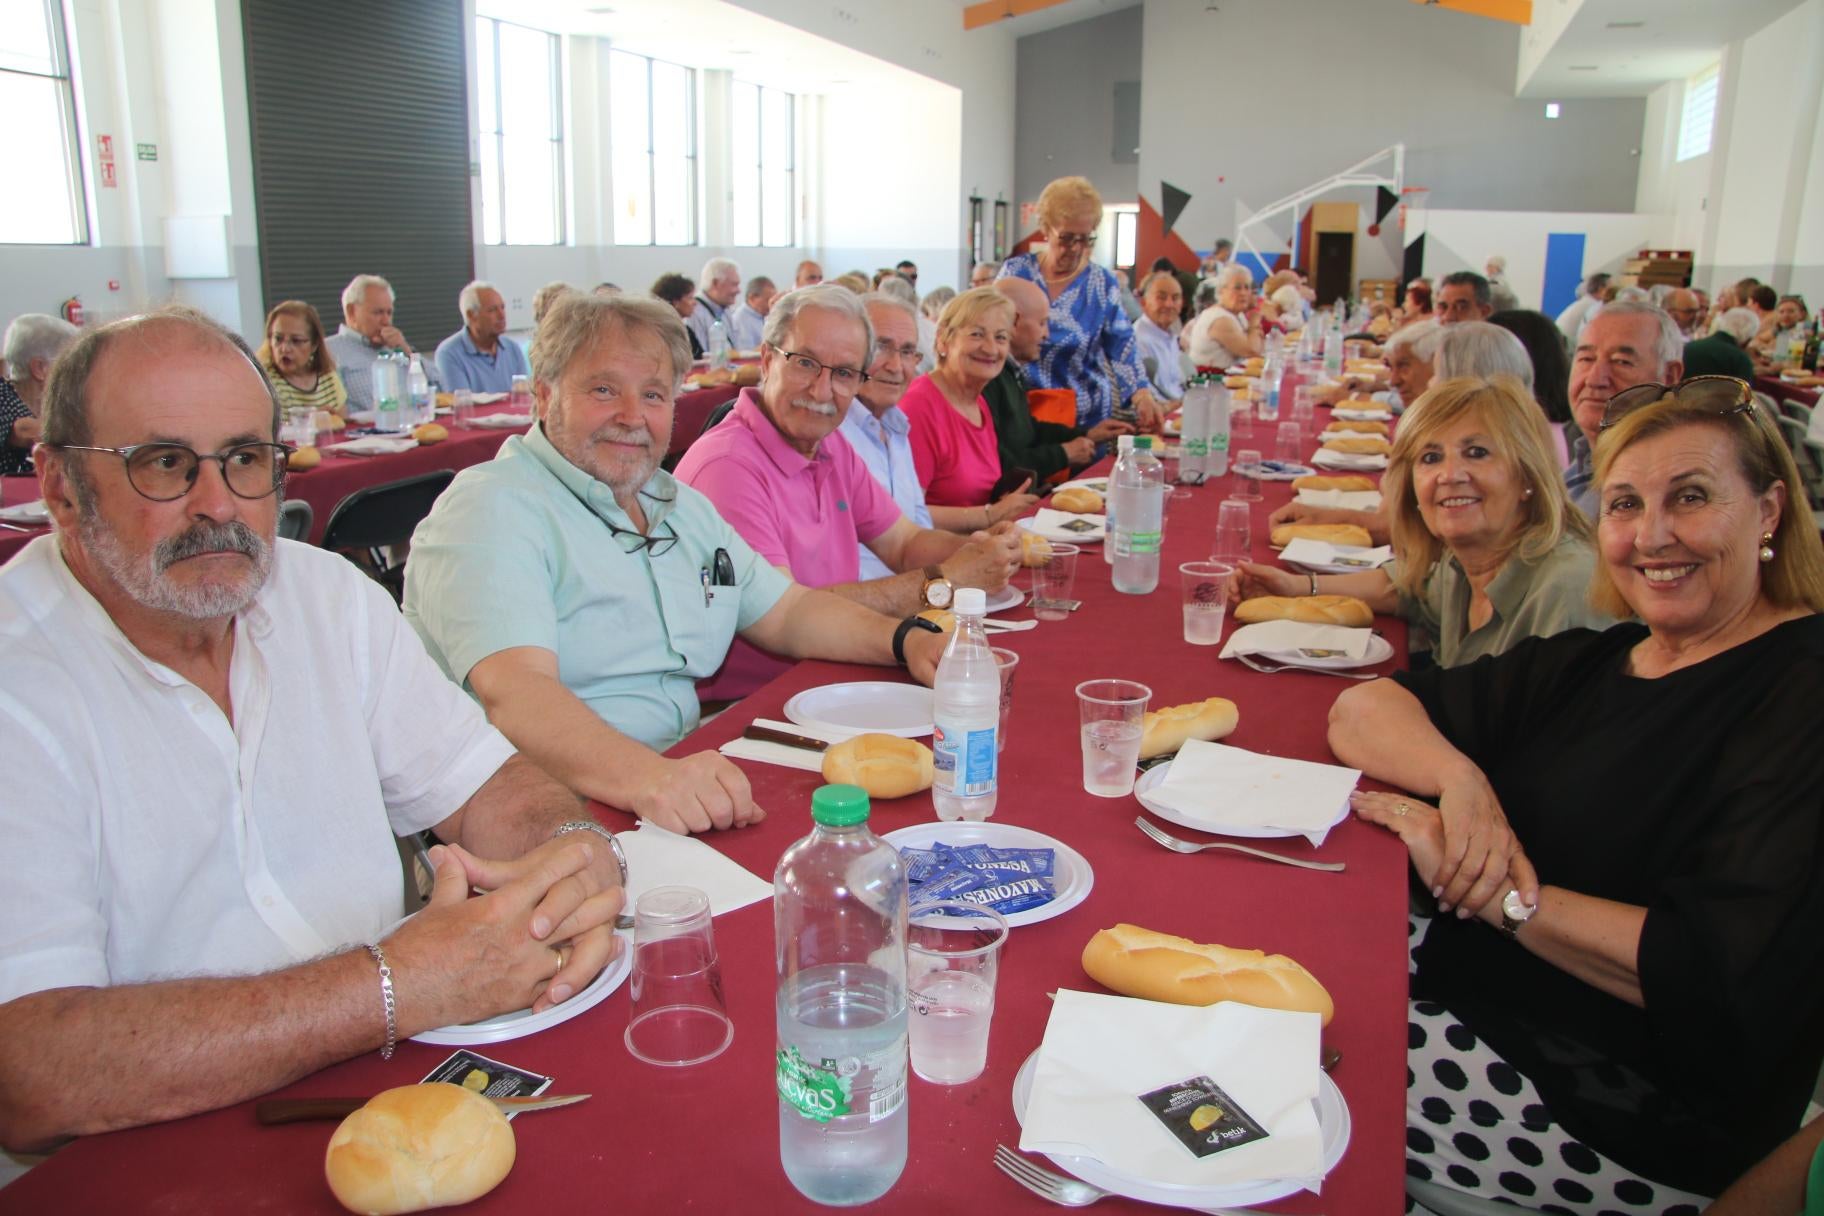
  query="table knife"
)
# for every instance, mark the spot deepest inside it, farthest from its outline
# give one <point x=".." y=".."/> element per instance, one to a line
<point x="767" y="734"/>
<point x="294" y="1110"/>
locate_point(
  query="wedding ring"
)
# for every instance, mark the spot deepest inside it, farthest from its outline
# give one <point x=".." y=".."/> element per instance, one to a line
<point x="1402" y="808"/>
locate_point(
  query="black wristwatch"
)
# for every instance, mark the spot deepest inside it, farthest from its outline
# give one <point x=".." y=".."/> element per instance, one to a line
<point x="906" y="626"/>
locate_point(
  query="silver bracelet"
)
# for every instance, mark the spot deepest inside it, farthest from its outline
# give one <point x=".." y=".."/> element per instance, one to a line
<point x="590" y="825"/>
<point x="386" y="995"/>
<point x="1313" y="579"/>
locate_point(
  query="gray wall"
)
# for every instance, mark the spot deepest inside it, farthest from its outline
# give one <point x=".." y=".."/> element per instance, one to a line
<point x="1249" y="103"/>
<point x="1064" y="105"/>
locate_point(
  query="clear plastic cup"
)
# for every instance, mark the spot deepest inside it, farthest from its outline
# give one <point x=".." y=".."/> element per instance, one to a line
<point x="1234" y="539"/>
<point x="1052" y="582"/>
<point x="1008" y="664"/>
<point x="679" y="1015"/>
<point x="1304" y="409"/>
<point x="1109" y="714"/>
<point x="953" y="954"/>
<point x="1291" y="442"/>
<point x="1206" y="596"/>
<point x="462" y="407"/>
<point x="1247" y="476"/>
<point x="519" y="399"/>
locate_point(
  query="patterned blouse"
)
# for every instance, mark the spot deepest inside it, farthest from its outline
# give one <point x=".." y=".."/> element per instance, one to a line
<point x="1089" y="341"/>
<point x="326" y="394"/>
<point x="13" y="461"/>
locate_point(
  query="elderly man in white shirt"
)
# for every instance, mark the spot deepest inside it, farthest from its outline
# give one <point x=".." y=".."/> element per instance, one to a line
<point x="717" y="290"/>
<point x="875" y="426"/>
<point x="212" y="738"/>
<point x="1161" y="302"/>
<point x="747" y="320"/>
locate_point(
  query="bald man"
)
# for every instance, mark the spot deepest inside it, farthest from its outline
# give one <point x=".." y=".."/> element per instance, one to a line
<point x="1044" y="448"/>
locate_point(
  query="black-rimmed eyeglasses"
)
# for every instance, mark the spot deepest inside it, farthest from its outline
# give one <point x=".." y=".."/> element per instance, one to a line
<point x="165" y="472"/>
<point x="1074" y="240"/>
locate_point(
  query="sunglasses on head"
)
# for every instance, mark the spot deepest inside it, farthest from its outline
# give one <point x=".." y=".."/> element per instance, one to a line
<point x="1728" y="395"/>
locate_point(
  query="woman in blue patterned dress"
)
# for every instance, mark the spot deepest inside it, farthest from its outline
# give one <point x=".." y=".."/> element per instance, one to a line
<point x="1090" y="347"/>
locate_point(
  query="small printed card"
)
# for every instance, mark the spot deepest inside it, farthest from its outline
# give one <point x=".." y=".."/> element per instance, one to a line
<point x="489" y="1078"/>
<point x="1204" y="1118"/>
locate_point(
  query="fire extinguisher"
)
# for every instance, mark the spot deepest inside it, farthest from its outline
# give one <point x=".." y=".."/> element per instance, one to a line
<point x="72" y="310"/>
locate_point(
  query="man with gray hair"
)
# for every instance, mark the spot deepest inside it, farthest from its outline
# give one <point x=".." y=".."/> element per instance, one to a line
<point x="1627" y="343"/>
<point x="1157" y="330"/>
<point x="982" y="274"/>
<point x="33" y="342"/>
<point x="367" y="331"/>
<point x="747" y="320"/>
<point x="876" y="427"/>
<point x="1724" y="352"/>
<point x="212" y="738"/>
<point x="479" y="356"/>
<point x="1462" y="296"/>
<point x="717" y="289"/>
<point x="580" y="592"/>
<point x="1500" y="294"/>
<point x="796" y="492"/>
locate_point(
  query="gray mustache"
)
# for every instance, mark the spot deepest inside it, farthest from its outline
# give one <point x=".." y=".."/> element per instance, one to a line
<point x="205" y="537"/>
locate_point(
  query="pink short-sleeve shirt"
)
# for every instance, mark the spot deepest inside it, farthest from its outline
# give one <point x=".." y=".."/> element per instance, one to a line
<point x="957" y="461"/>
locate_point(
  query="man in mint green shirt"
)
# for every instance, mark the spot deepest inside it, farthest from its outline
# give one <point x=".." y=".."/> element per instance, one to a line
<point x="579" y="592"/>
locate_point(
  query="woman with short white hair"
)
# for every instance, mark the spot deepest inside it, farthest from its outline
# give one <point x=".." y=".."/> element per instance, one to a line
<point x="33" y="342"/>
<point x="1228" y="332"/>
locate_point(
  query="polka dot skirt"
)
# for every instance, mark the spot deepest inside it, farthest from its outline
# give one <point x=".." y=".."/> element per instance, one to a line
<point x="1475" y="1124"/>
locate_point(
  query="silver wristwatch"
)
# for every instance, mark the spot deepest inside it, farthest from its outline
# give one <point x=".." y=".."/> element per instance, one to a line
<point x="1515" y="912"/>
<point x="590" y="825"/>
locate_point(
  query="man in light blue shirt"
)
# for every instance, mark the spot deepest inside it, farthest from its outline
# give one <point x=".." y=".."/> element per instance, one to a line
<point x="717" y="290"/>
<point x="1161" y="300"/>
<point x="579" y="592"/>
<point x="747" y="320"/>
<point x="367" y="330"/>
<point x="876" y="427"/>
<point x="479" y="357"/>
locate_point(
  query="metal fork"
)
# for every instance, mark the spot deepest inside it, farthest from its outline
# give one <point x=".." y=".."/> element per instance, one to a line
<point x="1064" y="1190"/>
<point x="1184" y="846"/>
<point x="1267" y="669"/>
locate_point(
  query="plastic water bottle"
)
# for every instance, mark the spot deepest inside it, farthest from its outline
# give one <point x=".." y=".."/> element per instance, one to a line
<point x="839" y="931"/>
<point x="720" y="349"/>
<point x="966" y="702"/>
<point x="1270" y="377"/>
<point x="1216" y="463"/>
<point x="1195" y="421"/>
<point x="1139" y="491"/>
<point x="391" y="392"/>
<point x="1124" y="446"/>
<point x="1333" y="348"/>
<point x="424" y="406"/>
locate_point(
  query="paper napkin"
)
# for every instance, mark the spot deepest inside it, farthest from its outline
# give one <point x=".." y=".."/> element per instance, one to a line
<point x="501" y="422"/>
<point x="658" y="858"/>
<point x="375" y="445"/>
<point x="1342" y="500"/>
<point x="1101" y="1052"/>
<point x="1059" y="525"/>
<point x="1303" y="551"/>
<point x="1216" y="787"/>
<point x="1279" y="637"/>
<point x="26" y="513"/>
<point x="1327" y="459"/>
<point x="779" y="753"/>
<point x="1352" y="414"/>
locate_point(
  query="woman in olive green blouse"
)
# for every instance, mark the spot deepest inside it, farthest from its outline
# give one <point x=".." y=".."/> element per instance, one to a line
<point x="1488" y="549"/>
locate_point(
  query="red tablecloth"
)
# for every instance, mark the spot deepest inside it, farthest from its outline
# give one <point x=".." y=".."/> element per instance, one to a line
<point x="1780" y="390"/>
<point x="15" y="490"/>
<point x="704" y="1138"/>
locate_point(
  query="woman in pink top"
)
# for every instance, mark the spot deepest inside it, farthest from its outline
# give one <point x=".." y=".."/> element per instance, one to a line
<point x="952" y="434"/>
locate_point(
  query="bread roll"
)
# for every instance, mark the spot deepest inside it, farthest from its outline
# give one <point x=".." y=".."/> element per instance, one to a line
<point x="1320" y="481"/>
<point x="418" y="1147"/>
<point x="1364" y="404"/>
<point x="1235" y="381"/>
<point x="1078" y="500"/>
<point x="1335" y="534"/>
<point x="884" y="765"/>
<point x="1159" y="967"/>
<point x="1314" y="609"/>
<point x="304" y="458"/>
<point x="429" y="433"/>
<point x="1367" y="445"/>
<point x="1360" y="428"/>
<point x="1166" y="730"/>
<point x="747" y="375"/>
<point x="1035" y="550"/>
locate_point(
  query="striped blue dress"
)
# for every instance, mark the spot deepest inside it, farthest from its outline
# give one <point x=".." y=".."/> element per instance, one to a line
<point x="1090" y="341"/>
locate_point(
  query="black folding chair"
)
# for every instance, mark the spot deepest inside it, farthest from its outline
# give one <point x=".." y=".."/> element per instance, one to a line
<point x="295" y="517"/>
<point x="372" y="519"/>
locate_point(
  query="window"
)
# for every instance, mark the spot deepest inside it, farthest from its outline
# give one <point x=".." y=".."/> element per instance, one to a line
<point x="519" y="86"/>
<point x="1699" y="118"/>
<point x="1127" y="234"/>
<point x="652" y="134"/>
<point x="764" y="165"/>
<point x="44" y="206"/>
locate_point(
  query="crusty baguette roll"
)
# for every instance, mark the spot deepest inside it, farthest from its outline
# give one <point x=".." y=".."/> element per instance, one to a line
<point x="430" y="432"/>
<point x="1367" y="445"/>
<point x="418" y="1147"/>
<point x="1159" y="967"/>
<point x="1235" y="382"/>
<point x="1166" y="730"/>
<point x="943" y="618"/>
<point x="747" y="375"/>
<point x="1335" y="534"/>
<point x="1320" y="481"/>
<point x="1360" y="428"/>
<point x="1035" y="550"/>
<point x="1314" y="609"/>
<point x="1078" y="500"/>
<point x="304" y="458"/>
<point x="1364" y="404"/>
<point x="884" y="765"/>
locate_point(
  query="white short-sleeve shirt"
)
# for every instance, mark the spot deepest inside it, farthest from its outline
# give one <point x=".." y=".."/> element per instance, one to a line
<point x="147" y="837"/>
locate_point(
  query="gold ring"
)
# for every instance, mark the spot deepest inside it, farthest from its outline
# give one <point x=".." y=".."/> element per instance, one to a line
<point x="1402" y="808"/>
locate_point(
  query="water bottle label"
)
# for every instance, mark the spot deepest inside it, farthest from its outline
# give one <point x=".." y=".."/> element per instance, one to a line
<point x="813" y="1090"/>
<point x="1196" y="448"/>
<point x="964" y="761"/>
<point x="1142" y="543"/>
<point x="1219" y="442"/>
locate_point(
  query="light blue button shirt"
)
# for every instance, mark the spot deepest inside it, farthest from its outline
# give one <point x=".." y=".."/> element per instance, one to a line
<point x="517" y="552"/>
<point x="355" y="357"/>
<point x="745" y="326"/>
<point x="883" y="446"/>
<point x="462" y="365"/>
<point x="1162" y="345"/>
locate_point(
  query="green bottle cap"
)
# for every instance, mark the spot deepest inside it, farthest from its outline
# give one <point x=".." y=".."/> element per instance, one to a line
<point x="1143" y="441"/>
<point x="840" y="806"/>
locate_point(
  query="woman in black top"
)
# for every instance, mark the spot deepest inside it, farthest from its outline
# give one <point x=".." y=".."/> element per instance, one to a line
<point x="1649" y="1022"/>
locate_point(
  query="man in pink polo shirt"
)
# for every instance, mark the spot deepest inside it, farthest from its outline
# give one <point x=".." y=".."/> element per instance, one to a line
<point x="777" y="470"/>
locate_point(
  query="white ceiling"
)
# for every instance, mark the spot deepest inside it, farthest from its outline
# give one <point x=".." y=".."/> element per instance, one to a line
<point x="1675" y="39"/>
